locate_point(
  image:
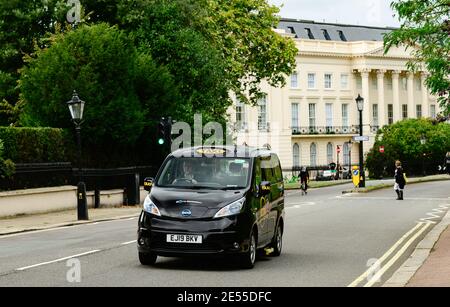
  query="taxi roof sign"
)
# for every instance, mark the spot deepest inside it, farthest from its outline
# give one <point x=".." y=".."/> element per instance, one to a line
<point x="211" y="151"/>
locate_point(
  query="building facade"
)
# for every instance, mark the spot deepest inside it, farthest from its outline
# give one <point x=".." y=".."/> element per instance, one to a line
<point x="313" y="119"/>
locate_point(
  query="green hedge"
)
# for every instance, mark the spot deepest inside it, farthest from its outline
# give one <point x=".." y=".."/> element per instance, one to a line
<point x="36" y="145"/>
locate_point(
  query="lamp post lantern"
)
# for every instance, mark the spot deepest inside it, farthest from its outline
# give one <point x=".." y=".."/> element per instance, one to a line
<point x="360" y="105"/>
<point x="76" y="108"/>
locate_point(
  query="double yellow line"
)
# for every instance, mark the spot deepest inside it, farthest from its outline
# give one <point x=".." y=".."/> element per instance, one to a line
<point x="377" y="270"/>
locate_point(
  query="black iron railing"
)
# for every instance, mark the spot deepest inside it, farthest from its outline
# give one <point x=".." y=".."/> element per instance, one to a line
<point x="325" y="130"/>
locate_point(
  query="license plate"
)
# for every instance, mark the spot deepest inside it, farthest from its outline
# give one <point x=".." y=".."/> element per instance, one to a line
<point x="191" y="239"/>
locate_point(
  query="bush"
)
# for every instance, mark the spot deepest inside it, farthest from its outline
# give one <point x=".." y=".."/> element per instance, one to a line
<point x="402" y="141"/>
<point x="37" y="145"/>
<point x="7" y="167"/>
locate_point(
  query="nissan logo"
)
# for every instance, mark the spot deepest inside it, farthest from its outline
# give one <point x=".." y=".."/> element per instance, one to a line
<point x="186" y="213"/>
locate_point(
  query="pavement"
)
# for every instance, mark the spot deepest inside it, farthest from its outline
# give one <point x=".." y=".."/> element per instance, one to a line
<point x="435" y="272"/>
<point x="330" y="240"/>
<point x="63" y="218"/>
<point x="372" y="185"/>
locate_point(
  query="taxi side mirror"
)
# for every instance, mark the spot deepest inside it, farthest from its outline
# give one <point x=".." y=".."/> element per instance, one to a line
<point x="148" y="184"/>
<point x="265" y="188"/>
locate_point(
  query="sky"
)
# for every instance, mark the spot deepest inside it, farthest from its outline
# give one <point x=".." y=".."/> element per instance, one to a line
<point x="357" y="12"/>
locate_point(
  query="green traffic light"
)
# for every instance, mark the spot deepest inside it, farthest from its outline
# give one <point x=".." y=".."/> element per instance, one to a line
<point x="161" y="141"/>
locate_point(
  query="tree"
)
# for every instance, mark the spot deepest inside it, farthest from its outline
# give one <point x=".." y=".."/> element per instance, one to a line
<point x="236" y="37"/>
<point x="426" y="30"/>
<point x="22" y="25"/>
<point x="402" y="141"/>
<point x="123" y="88"/>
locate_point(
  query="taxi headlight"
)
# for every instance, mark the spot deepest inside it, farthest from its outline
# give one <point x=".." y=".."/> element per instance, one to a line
<point x="231" y="209"/>
<point x="150" y="207"/>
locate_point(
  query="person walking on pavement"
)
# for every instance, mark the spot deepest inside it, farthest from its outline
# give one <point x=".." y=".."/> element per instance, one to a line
<point x="304" y="179"/>
<point x="400" y="180"/>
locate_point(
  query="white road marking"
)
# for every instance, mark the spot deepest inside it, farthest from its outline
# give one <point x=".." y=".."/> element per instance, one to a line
<point x="434" y="214"/>
<point x="394" y="259"/>
<point x="129" y="242"/>
<point x="385" y="256"/>
<point x="299" y="205"/>
<point x="57" y="260"/>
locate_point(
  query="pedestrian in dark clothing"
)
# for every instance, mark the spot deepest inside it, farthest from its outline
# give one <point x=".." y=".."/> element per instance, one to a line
<point x="304" y="179"/>
<point x="400" y="180"/>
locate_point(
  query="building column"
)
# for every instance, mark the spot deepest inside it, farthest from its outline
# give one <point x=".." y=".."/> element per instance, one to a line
<point x="366" y="95"/>
<point x="382" y="114"/>
<point x="411" y="104"/>
<point x="425" y="101"/>
<point x="396" y="95"/>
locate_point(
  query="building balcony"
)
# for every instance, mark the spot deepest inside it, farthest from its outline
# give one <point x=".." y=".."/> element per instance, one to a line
<point x="325" y="130"/>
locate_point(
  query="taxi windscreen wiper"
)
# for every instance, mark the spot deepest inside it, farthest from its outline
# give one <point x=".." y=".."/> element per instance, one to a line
<point x="232" y="188"/>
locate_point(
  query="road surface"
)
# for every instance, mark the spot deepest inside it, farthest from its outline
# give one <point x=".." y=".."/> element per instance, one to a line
<point x="330" y="240"/>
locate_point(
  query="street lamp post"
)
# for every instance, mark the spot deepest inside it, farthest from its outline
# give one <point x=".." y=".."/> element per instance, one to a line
<point x="350" y="144"/>
<point x="360" y="105"/>
<point x="423" y="141"/>
<point x="76" y="108"/>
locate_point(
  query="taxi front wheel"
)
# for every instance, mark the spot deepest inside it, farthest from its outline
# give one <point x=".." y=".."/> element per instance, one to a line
<point x="277" y="243"/>
<point x="147" y="258"/>
<point x="247" y="260"/>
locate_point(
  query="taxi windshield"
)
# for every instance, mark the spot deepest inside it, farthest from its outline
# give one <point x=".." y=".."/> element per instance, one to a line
<point x="205" y="173"/>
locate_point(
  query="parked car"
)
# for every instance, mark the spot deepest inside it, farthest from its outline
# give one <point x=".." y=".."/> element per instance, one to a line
<point x="324" y="175"/>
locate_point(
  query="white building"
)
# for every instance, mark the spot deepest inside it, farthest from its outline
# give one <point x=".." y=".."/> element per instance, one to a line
<point x="306" y="120"/>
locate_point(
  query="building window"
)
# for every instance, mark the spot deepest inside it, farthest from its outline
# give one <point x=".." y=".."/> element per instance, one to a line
<point x="344" y="81"/>
<point x="240" y="116"/>
<point x="326" y="35"/>
<point x="404" y="84"/>
<point x="375" y="83"/>
<point x="296" y="155"/>
<point x="345" y="115"/>
<point x="312" y="81"/>
<point x="312" y="115"/>
<point x="390" y="114"/>
<point x="329" y="153"/>
<point x="327" y="78"/>
<point x="309" y="33"/>
<point x="294" y="109"/>
<point x="313" y="154"/>
<point x="346" y="152"/>
<point x="418" y="84"/>
<point x="433" y="111"/>
<point x="358" y="82"/>
<point x="329" y="116"/>
<point x="389" y="83"/>
<point x="375" y="114"/>
<point x="262" y="114"/>
<point x="294" y="80"/>
<point x="419" y="111"/>
<point x="404" y="111"/>
<point x="342" y="36"/>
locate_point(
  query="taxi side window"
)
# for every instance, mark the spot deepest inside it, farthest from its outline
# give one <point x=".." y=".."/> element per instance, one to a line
<point x="267" y="170"/>
<point x="257" y="173"/>
<point x="277" y="169"/>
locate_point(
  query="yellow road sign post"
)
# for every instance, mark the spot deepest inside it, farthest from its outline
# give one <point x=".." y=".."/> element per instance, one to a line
<point x="355" y="176"/>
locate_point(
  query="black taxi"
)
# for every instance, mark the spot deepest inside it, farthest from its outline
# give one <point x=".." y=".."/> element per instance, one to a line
<point x="225" y="200"/>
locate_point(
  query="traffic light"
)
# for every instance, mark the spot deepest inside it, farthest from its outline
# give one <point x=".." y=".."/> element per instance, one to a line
<point x="164" y="131"/>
